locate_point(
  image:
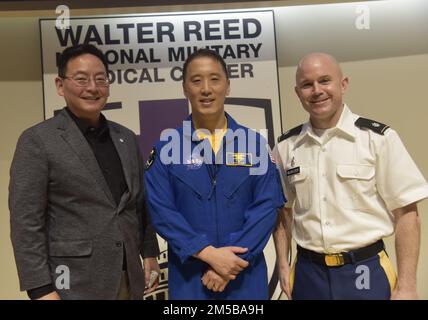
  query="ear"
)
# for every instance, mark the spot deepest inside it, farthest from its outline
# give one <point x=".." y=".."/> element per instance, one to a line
<point x="184" y="90"/>
<point x="59" y="86"/>
<point x="296" y="90"/>
<point x="228" y="87"/>
<point x="344" y="84"/>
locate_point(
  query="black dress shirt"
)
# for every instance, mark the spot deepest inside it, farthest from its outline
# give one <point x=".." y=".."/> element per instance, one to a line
<point x="100" y="141"/>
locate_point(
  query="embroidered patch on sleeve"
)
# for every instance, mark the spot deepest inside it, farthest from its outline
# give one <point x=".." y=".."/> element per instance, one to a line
<point x="151" y="159"/>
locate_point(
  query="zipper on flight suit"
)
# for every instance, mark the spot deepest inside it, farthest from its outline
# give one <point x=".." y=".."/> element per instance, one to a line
<point x="212" y="171"/>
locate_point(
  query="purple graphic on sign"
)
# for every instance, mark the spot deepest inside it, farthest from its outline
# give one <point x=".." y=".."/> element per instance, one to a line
<point x="157" y="115"/>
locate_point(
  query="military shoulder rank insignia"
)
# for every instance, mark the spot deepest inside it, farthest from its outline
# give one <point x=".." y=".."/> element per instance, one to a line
<point x="292" y="132"/>
<point x="375" y="126"/>
<point x="239" y="159"/>
<point x="151" y="159"/>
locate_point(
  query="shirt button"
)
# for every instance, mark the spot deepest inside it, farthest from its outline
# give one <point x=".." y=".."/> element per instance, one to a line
<point x="324" y="198"/>
<point x="323" y="149"/>
<point x="327" y="223"/>
<point x="118" y="244"/>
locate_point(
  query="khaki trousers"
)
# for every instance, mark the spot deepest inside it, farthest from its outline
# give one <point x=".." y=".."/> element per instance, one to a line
<point x="124" y="292"/>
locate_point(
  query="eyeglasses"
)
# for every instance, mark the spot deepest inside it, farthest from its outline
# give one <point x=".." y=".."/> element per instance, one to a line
<point x="83" y="81"/>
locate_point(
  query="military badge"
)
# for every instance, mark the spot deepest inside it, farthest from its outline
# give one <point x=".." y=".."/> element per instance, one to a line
<point x="239" y="159"/>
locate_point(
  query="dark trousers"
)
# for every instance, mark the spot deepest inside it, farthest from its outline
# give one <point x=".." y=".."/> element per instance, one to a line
<point x="373" y="278"/>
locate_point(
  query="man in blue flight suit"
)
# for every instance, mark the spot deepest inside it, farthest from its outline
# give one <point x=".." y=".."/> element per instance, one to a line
<point x="212" y="193"/>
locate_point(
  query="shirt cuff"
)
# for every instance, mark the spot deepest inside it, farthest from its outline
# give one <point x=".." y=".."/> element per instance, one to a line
<point x="150" y="249"/>
<point x="39" y="292"/>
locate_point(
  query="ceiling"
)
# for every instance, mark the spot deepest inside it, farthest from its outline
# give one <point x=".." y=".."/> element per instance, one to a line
<point x="395" y="27"/>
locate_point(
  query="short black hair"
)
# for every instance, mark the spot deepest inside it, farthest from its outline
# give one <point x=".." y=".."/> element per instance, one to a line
<point x="204" y="53"/>
<point x="78" y="50"/>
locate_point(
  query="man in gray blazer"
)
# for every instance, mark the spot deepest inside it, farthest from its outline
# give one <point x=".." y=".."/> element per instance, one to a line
<point x="76" y="196"/>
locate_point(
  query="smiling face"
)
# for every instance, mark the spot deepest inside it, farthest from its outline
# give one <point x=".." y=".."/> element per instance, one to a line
<point x="88" y="101"/>
<point x="320" y="87"/>
<point x="206" y="86"/>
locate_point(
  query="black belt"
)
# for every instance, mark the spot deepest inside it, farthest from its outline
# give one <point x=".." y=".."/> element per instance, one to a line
<point x="339" y="259"/>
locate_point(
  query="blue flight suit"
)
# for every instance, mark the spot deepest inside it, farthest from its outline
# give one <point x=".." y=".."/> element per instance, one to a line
<point x="194" y="204"/>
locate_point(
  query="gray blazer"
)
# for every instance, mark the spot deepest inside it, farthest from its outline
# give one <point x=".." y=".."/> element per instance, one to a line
<point x="63" y="213"/>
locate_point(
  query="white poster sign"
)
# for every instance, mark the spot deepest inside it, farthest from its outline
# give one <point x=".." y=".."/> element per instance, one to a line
<point x="146" y="54"/>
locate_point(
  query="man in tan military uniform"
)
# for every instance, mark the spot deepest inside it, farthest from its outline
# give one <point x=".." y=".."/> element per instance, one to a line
<point x="349" y="182"/>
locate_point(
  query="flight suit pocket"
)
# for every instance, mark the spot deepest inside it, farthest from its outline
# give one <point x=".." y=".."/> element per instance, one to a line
<point x="237" y="187"/>
<point x="301" y="182"/>
<point x="357" y="185"/>
<point x="187" y="181"/>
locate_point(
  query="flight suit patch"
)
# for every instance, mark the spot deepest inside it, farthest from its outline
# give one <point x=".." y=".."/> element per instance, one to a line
<point x="194" y="163"/>
<point x="239" y="159"/>
<point x="151" y="159"/>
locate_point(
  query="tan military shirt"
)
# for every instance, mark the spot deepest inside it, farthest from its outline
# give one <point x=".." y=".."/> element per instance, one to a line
<point x="344" y="184"/>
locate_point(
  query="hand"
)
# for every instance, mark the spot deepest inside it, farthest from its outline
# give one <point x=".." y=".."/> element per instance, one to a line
<point x="284" y="279"/>
<point x="213" y="281"/>
<point x="151" y="264"/>
<point x="224" y="260"/>
<point x="404" y="294"/>
<point x="50" y="296"/>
